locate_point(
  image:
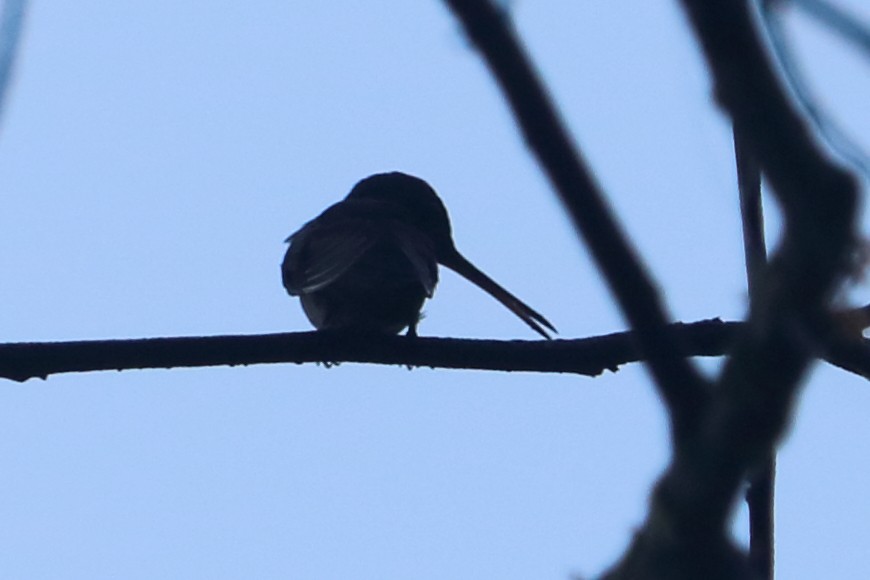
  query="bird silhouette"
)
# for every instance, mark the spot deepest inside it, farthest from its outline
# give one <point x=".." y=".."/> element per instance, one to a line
<point x="368" y="262"/>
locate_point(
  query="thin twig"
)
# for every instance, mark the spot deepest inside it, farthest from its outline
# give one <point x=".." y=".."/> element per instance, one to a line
<point x="751" y="213"/>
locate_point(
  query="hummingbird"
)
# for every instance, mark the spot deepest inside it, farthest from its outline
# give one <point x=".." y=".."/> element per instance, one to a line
<point x="368" y="262"/>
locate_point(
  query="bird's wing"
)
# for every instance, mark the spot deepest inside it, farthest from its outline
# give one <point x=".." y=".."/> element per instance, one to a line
<point x="320" y="253"/>
<point x="327" y="246"/>
<point x="420" y="251"/>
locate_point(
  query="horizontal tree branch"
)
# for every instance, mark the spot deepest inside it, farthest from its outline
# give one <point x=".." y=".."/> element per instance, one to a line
<point x="586" y="356"/>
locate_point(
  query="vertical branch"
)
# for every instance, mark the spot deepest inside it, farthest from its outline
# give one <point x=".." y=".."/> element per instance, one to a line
<point x="760" y="495"/>
<point x="684" y="536"/>
<point x="751" y="213"/>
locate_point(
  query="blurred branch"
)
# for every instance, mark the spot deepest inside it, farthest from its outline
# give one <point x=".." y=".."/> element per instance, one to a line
<point x="760" y="495"/>
<point x="11" y="20"/>
<point x="837" y="138"/>
<point x="837" y="19"/>
<point x="719" y="434"/>
<point x="587" y="356"/>
<point x="685" y="534"/>
<point x="683" y="390"/>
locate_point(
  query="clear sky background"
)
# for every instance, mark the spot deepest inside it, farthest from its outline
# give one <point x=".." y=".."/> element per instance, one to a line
<point x="153" y="157"/>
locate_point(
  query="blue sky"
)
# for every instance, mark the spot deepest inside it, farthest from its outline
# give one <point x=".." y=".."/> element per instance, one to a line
<point x="154" y="156"/>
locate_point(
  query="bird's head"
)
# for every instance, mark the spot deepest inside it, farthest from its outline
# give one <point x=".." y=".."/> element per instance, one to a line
<point x="411" y="200"/>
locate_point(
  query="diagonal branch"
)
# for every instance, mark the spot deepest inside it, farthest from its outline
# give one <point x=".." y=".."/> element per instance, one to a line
<point x="680" y="386"/>
<point x="11" y="24"/>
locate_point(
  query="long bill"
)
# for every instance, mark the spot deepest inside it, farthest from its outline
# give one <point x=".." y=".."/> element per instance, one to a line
<point x="457" y="262"/>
